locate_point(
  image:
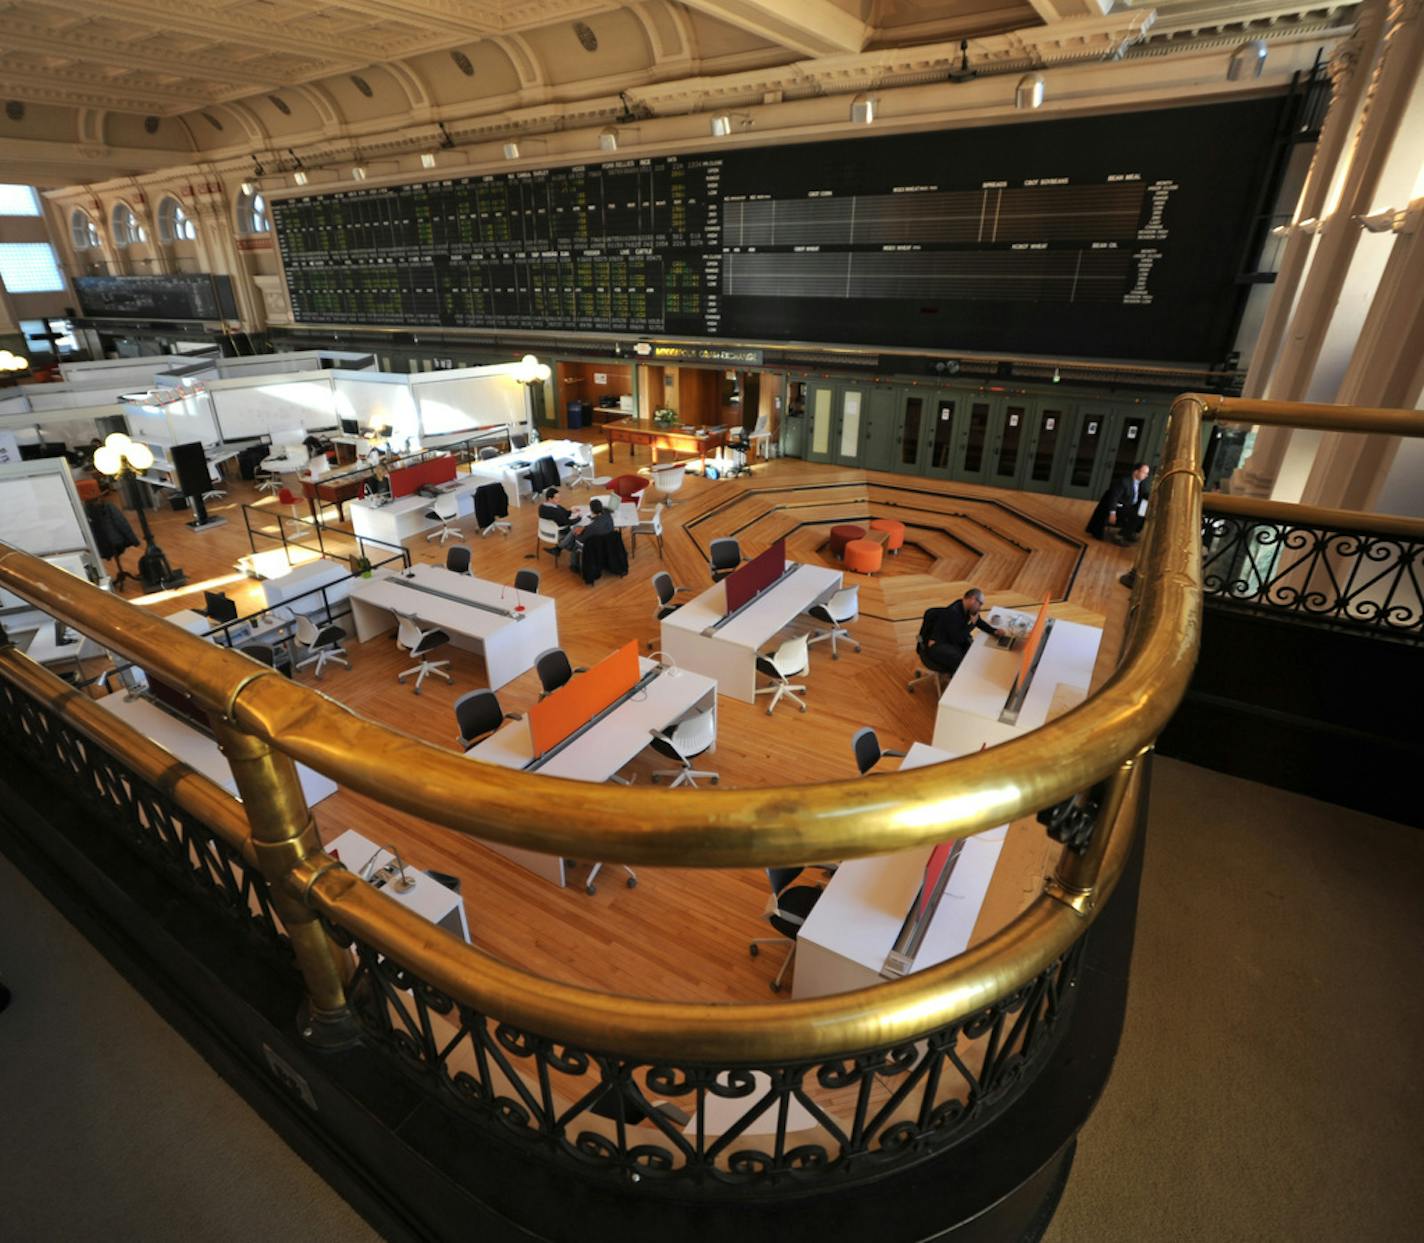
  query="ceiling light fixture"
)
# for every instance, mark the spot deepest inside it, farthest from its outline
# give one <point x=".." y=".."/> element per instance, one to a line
<point x="427" y="159"/>
<point x="358" y="172"/>
<point x="608" y="139"/>
<point x="721" y="125"/>
<point x="962" y="72"/>
<point x="862" y="110"/>
<point x="446" y="142"/>
<point x="1247" y="61"/>
<point x="1029" y="91"/>
<point x="248" y="188"/>
<point x="511" y="151"/>
<point x="300" y="177"/>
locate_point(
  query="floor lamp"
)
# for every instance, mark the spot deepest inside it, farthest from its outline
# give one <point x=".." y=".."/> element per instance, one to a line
<point x="123" y="459"/>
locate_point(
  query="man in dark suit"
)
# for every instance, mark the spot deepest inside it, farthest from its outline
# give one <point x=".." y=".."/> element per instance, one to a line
<point x="551" y="511"/>
<point x="1117" y="515"/>
<point x="600" y="522"/>
<point x="945" y="634"/>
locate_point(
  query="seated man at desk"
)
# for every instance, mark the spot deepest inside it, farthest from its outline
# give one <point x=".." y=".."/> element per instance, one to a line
<point x="600" y="523"/>
<point x="945" y="634"/>
<point x="551" y="511"/>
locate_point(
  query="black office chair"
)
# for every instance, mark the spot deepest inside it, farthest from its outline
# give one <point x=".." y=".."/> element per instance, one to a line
<point x="266" y="654"/>
<point x="517" y="441"/>
<point x="527" y="580"/>
<point x="457" y="559"/>
<point x="478" y="715"/>
<point x="554" y="670"/>
<point x="866" y="745"/>
<point x="662" y="584"/>
<point x="488" y="452"/>
<point x="932" y="668"/>
<point x="793" y="904"/>
<point x="726" y="556"/>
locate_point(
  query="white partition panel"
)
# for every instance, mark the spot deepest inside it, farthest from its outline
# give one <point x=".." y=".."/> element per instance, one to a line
<point x="370" y="397"/>
<point x="41" y="512"/>
<point x="453" y="401"/>
<point x="261" y="406"/>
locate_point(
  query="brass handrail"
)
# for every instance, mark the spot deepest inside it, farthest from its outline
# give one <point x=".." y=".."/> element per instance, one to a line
<point x="1285" y="514"/>
<point x="1313" y="416"/>
<point x="702" y="828"/>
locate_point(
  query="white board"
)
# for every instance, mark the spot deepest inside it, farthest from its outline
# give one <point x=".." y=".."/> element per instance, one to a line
<point x="248" y="408"/>
<point x="369" y="395"/>
<point x="40" y="511"/>
<point x="454" y="401"/>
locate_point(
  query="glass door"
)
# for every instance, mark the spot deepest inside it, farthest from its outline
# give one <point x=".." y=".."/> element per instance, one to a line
<point x="1045" y="451"/>
<point x="1089" y="438"/>
<point x="944" y="409"/>
<point x="820" y="403"/>
<point x="910" y="423"/>
<point x="848" y="427"/>
<point x="1007" y="440"/>
<point x="973" y="459"/>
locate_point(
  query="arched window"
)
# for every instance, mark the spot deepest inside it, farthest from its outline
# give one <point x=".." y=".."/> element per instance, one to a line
<point x="252" y="212"/>
<point x="173" y="222"/>
<point x="127" y="230"/>
<point x="82" y="231"/>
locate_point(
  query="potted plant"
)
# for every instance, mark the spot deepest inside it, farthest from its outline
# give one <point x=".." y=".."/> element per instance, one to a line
<point x="665" y="415"/>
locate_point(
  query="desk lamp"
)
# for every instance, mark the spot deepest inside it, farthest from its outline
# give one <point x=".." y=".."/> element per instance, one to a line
<point x="123" y="459"/>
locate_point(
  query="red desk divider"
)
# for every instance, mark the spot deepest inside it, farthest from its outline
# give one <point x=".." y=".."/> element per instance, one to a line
<point x="582" y="698"/>
<point x="757" y="575"/>
<point x="406" y="480"/>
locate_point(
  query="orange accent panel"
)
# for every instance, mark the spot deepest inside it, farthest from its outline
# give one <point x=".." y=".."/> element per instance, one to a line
<point x="1032" y="644"/>
<point x="581" y="698"/>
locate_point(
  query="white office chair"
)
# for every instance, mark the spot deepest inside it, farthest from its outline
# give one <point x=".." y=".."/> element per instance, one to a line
<point x="790" y="660"/>
<point x="668" y="479"/>
<point x="444" y="511"/>
<point x="421" y="643"/>
<point x="216" y="492"/>
<point x="653" y="526"/>
<point x="683" y="743"/>
<point x="580" y="469"/>
<point x="323" y="643"/>
<point x="842" y="607"/>
<point x="759" y="439"/>
<point x="549" y="536"/>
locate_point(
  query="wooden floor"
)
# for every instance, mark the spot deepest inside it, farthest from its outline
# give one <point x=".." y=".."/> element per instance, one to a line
<point x="684" y="933"/>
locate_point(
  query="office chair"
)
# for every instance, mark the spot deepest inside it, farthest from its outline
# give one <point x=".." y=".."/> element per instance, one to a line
<point x="554" y="670"/>
<point x="632" y="882"/>
<point x="457" y="559"/>
<point x="866" y="745"/>
<point x="791" y="906"/>
<point x="263" y="653"/>
<point x="623" y="1103"/>
<point x="421" y="643"/>
<point x="322" y="644"/>
<point x="682" y="744"/>
<point x="668" y="479"/>
<point x="478" y="715"/>
<point x="550" y="536"/>
<point x="443" y="511"/>
<point x="517" y="441"/>
<point x="527" y="580"/>
<point x="662" y="584"/>
<point x="488" y="452"/>
<point x="653" y="526"/>
<point x="726" y="556"/>
<point x="629" y="488"/>
<point x="285" y="496"/>
<point x="922" y="650"/>
<point x="844" y="606"/>
<point x="788" y="661"/>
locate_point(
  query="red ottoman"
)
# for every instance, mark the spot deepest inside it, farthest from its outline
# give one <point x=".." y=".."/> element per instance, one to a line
<point x="864" y="557"/>
<point x="895" y="530"/>
<point x="841" y="536"/>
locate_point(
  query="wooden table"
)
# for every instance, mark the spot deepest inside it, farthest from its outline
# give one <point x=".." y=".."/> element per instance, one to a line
<point x="697" y="441"/>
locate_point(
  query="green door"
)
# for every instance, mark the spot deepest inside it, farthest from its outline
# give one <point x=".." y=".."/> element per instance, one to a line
<point x="1046" y="446"/>
<point x="944" y="413"/>
<point x="974" y="448"/>
<point x="851" y="414"/>
<point x="912" y="421"/>
<point x="820" y="420"/>
<point x="1087" y="448"/>
<point x="1008" y="439"/>
<point x="877" y="439"/>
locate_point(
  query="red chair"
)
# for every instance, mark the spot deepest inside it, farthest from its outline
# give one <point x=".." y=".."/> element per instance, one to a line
<point x="841" y="536"/>
<point x="285" y="496"/>
<point x="629" y="488"/>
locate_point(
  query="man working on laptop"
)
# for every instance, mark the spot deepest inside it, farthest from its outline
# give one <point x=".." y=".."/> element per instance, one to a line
<point x="945" y="634"/>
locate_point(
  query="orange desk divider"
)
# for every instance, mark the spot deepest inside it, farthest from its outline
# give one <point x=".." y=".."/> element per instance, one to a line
<point x="1032" y="644"/>
<point x="582" y="698"/>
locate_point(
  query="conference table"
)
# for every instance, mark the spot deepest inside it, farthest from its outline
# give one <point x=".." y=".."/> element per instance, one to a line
<point x="854" y="925"/>
<point x="688" y="441"/>
<point x="598" y="751"/>
<point x="969" y="710"/>
<point x="510" y="628"/>
<point x="727" y="652"/>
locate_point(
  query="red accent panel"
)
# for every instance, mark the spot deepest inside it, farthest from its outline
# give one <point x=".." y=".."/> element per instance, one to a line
<point x="410" y="479"/>
<point x="757" y="575"/>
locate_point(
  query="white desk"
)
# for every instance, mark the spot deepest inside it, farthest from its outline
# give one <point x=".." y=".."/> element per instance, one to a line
<point x="968" y="714"/>
<point x="307" y="577"/>
<point x="505" y="468"/>
<point x="390" y="522"/>
<point x="844" y="941"/>
<point x="602" y="749"/>
<point x="461" y="606"/>
<point x="43" y="649"/>
<point x="188" y="743"/>
<point x="427" y="897"/>
<point x="625" y="513"/>
<point x="729" y="653"/>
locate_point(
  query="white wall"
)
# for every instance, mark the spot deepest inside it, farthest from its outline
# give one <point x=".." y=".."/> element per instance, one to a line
<point x="371" y="396"/>
<point x="455" y="401"/>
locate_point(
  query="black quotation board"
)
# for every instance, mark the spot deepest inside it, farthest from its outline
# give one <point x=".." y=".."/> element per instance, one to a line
<point x="181" y="296"/>
<point x="1110" y="236"/>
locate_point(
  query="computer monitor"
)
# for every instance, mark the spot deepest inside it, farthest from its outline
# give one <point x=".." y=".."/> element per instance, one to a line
<point x="217" y="607"/>
<point x="350" y="427"/>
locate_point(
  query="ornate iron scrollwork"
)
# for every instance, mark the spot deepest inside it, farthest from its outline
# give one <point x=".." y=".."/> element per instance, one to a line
<point x="1073" y="821"/>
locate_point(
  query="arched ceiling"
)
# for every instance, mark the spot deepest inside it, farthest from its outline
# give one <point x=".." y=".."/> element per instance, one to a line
<point x="105" y="88"/>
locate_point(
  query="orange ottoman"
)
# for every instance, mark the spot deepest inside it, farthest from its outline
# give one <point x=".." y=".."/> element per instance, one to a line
<point x="841" y="536"/>
<point x="895" y="530"/>
<point x="863" y="557"/>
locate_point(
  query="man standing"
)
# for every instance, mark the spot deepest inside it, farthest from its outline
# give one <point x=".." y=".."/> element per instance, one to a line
<point x="1119" y="513"/>
<point x="945" y="634"/>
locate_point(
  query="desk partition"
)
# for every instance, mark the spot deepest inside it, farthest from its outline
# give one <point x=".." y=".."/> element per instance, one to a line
<point x="579" y="700"/>
<point x="756" y="576"/>
<point x="410" y="479"/>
